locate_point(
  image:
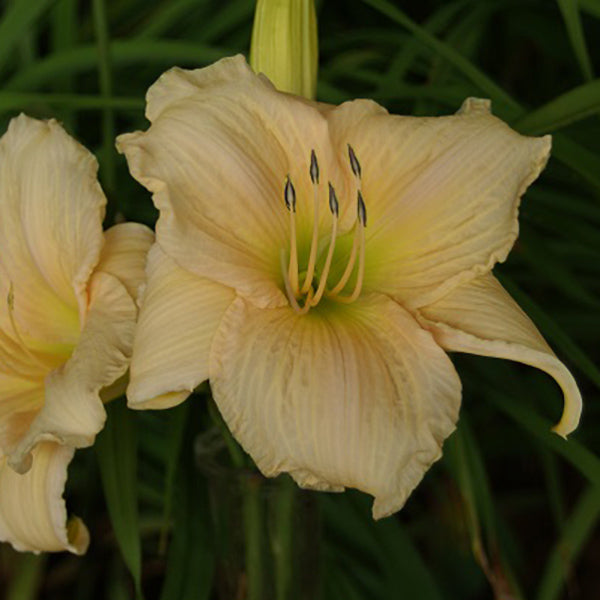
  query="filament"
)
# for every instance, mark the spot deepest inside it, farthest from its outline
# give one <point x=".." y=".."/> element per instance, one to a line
<point x="310" y="270"/>
<point x="333" y="205"/>
<point x="293" y="264"/>
<point x="361" y="269"/>
<point x="349" y="267"/>
<point x="301" y="310"/>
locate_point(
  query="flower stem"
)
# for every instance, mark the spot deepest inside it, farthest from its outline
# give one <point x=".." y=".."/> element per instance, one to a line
<point x="283" y="543"/>
<point x="253" y="528"/>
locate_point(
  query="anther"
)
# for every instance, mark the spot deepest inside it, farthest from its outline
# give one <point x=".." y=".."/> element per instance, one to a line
<point x="312" y="257"/>
<point x="289" y="195"/>
<point x="361" y="209"/>
<point x="314" y="167"/>
<point x="334" y="206"/>
<point x="354" y="164"/>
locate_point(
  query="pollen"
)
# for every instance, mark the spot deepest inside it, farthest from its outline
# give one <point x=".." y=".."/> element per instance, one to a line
<point x="301" y="287"/>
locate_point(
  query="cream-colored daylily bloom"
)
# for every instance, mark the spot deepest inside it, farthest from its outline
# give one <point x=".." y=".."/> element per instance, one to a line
<point x="66" y="326"/>
<point x="315" y="262"/>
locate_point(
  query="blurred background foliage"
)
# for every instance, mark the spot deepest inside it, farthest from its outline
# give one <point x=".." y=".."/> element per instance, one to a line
<point x="511" y="511"/>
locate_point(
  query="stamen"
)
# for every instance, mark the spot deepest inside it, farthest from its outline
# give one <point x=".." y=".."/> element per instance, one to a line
<point x="314" y="167"/>
<point x="358" y="246"/>
<point x="361" y="209"/>
<point x="334" y="207"/>
<point x="289" y="195"/>
<point x="10" y="300"/>
<point x="301" y="310"/>
<point x="310" y="270"/>
<point x="354" y="164"/>
<point x="349" y="267"/>
<point x="361" y="270"/>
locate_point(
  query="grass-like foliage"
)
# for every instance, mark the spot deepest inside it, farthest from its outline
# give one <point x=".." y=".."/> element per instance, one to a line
<point x="512" y="510"/>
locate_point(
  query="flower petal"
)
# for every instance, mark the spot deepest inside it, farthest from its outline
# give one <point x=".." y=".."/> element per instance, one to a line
<point x="178" y="319"/>
<point x="124" y="254"/>
<point x="33" y="515"/>
<point x="20" y="401"/>
<point x="355" y="395"/>
<point x="73" y="412"/>
<point x="216" y="157"/>
<point x="442" y="193"/>
<point x="479" y="317"/>
<point x="50" y="231"/>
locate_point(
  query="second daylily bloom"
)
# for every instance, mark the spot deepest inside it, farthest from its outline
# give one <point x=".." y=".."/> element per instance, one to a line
<point x="66" y="326"/>
<point x="315" y="262"/>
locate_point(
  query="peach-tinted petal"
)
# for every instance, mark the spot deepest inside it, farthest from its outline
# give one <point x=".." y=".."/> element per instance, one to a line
<point x="442" y="193"/>
<point x="221" y="145"/>
<point x="17" y="360"/>
<point x="124" y="254"/>
<point x="178" y="319"/>
<point x="480" y="317"/>
<point x="20" y="401"/>
<point x="51" y="214"/>
<point x="73" y="412"/>
<point x="33" y="514"/>
<point x="347" y="396"/>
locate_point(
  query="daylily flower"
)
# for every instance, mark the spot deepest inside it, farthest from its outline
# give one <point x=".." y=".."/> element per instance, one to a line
<point x="315" y="262"/>
<point x="66" y="329"/>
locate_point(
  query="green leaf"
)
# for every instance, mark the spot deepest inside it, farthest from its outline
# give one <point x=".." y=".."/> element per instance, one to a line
<point x="16" y="21"/>
<point x="540" y="258"/>
<point x="107" y="164"/>
<point x="570" y="13"/>
<point x="123" y="53"/>
<point x="509" y="106"/>
<point x="553" y="331"/>
<point x="578" y="529"/>
<point x="578" y="158"/>
<point x="572" y="106"/>
<point x="19" y="100"/>
<point x="468" y="469"/>
<point x="411" y="48"/>
<point x="116" y="449"/>
<point x="585" y="461"/>
<point x="400" y="569"/>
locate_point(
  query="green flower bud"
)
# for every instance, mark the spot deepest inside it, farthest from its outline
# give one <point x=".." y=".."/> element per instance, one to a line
<point x="284" y="45"/>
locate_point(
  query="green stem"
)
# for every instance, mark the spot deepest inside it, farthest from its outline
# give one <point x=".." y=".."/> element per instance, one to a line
<point x="284" y="537"/>
<point x="25" y="582"/>
<point x="253" y="529"/>
<point x="235" y="452"/>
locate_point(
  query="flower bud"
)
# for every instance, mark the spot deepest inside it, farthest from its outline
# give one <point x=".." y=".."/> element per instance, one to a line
<point x="284" y="45"/>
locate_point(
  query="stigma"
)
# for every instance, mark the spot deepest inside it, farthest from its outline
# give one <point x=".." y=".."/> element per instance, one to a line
<point x="307" y="285"/>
